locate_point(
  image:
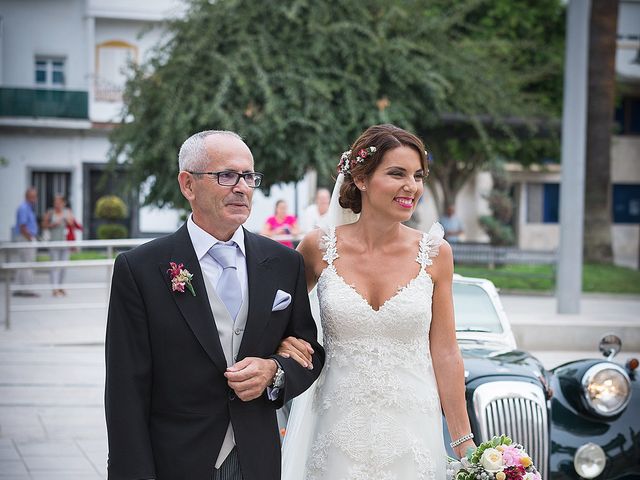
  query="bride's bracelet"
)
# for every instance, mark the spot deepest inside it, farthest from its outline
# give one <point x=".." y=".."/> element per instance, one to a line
<point x="461" y="440"/>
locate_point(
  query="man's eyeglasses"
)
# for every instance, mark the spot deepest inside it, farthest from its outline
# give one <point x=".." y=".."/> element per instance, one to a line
<point x="231" y="179"/>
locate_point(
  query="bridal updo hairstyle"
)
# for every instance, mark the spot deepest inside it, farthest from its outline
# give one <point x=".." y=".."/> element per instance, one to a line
<point x="384" y="138"/>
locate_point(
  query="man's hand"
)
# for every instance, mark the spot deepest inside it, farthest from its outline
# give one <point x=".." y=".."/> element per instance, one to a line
<point x="251" y="376"/>
<point x="298" y="349"/>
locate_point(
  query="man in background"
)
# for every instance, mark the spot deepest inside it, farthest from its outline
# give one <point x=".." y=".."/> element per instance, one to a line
<point x="26" y="230"/>
<point x="315" y="213"/>
<point x="452" y="225"/>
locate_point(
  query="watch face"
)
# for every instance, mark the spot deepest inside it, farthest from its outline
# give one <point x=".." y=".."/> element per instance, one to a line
<point x="278" y="380"/>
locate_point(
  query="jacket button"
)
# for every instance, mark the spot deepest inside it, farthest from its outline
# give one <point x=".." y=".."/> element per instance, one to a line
<point x="232" y="395"/>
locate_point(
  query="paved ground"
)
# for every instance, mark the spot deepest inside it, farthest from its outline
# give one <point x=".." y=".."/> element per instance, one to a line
<point x="52" y="374"/>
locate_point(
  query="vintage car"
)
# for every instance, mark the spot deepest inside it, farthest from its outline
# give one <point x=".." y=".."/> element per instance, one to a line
<point x="578" y="420"/>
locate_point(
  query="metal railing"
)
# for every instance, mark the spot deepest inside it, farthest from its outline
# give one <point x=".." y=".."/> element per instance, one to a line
<point x="41" y="102"/>
<point x="9" y="268"/>
<point x="492" y="255"/>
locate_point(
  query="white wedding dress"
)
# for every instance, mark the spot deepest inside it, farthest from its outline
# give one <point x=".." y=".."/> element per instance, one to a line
<point x="374" y="412"/>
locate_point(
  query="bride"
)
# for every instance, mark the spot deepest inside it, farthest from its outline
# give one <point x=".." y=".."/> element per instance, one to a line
<point x="392" y="361"/>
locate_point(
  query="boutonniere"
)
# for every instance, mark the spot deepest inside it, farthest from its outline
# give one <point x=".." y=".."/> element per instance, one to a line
<point x="180" y="278"/>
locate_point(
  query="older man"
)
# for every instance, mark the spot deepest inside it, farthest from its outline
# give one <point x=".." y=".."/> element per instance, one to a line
<point x="315" y="213"/>
<point x="194" y="320"/>
<point x="26" y="230"/>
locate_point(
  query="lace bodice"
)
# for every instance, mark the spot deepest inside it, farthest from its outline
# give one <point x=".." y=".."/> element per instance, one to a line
<point x="377" y="392"/>
<point x="350" y="323"/>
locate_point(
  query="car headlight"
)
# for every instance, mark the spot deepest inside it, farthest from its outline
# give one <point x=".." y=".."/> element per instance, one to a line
<point x="589" y="460"/>
<point x="606" y="389"/>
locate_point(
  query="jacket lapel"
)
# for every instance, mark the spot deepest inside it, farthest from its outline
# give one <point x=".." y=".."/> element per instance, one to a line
<point x="195" y="310"/>
<point x="262" y="290"/>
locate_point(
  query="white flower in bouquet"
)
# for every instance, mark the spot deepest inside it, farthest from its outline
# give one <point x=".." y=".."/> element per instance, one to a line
<point x="491" y="460"/>
<point x="496" y="459"/>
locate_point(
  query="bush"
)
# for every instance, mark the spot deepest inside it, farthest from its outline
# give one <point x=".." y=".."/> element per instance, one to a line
<point x="498" y="224"/>
<point x="501" y="235"/>
<point x="110" y="231"/>
<point x="111" y="207"/>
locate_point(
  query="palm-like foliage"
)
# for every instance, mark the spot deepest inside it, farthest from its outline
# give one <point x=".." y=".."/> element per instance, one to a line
<point x="300" y="79"/>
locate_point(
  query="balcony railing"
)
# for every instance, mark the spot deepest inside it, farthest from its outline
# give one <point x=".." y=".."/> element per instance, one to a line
<point x="31" y="102"/>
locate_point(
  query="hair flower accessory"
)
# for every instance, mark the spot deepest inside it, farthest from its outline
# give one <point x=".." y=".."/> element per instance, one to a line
<point x="496" y="459"/>
<point x="347" y="163"/>
<point x="180" y="278"/>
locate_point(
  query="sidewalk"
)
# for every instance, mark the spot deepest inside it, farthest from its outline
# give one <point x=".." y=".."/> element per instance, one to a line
<point x="537" y="326"/>
<point x="51" y="389"/>
<point x="52" y="375"/>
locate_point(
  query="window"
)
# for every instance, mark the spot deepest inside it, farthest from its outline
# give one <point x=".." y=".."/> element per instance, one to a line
<point x="112" y="59"/>
<point x="626" y="203"/>
<point x="49" y="72"/>
<point x="543" y="202"/>
<point x="48" y="184"/>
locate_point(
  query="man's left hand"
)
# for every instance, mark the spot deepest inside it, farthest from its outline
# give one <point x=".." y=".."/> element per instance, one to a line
<point x="250" y="377"/>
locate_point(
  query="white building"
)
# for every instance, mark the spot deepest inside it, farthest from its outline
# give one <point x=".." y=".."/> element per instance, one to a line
<point x="61" y="80"/>
<point x="536" y="190"/>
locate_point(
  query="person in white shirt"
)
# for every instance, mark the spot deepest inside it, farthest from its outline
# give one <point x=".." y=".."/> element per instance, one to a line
<point x="315" y="212"/>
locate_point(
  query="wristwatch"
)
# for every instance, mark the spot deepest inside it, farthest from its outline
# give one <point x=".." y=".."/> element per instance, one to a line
<point x="278" y="378"/>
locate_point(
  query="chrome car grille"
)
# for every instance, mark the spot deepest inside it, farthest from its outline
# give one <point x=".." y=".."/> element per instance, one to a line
<point x="516" y="409"/>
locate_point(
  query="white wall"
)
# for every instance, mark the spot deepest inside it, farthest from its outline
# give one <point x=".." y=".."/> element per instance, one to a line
<point x="625" y="168"/>
<point x="470" y="205"/>
<point x="44" y="150"/>
<point x="627" y="49"/>
<point x="57" y="29"/>
<point x="127" y="31"/>
<point x="625" y="158"/>
<point x="148" y="10"/>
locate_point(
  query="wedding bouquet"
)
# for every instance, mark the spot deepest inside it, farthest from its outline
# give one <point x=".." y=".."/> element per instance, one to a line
<point x="497" y="459"/>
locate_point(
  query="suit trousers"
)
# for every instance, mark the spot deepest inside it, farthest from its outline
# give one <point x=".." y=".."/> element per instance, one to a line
<point x="230" y="468"/>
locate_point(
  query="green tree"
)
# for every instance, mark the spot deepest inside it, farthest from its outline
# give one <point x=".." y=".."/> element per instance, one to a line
<point x="300" y="79"/>
<point x="523" y="40"/>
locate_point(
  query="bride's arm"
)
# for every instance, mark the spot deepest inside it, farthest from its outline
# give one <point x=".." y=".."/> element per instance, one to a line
<point x="445" y="354"/>
<point x="309" y="247"/>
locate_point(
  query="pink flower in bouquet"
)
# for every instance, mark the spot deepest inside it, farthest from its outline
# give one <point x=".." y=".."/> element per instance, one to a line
<point x="498" y="459"/>
<point x="511" y="455"/>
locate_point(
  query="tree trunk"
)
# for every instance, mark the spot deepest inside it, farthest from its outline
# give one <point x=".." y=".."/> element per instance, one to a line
<point x="602" y="56"/>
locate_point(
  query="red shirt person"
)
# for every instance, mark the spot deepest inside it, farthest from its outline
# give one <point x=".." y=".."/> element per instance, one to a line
<point x="281" y="223"/>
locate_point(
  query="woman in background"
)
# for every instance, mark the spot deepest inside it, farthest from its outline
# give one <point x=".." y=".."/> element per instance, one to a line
<point x="281" y="223"/>
<point x="57" y="220"/>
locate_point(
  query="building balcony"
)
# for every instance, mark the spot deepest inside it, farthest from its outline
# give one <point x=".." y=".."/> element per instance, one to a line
<point x="43" y="103"/>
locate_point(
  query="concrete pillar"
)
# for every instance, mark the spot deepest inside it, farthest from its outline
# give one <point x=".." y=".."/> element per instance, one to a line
<point x="574" y="125"/>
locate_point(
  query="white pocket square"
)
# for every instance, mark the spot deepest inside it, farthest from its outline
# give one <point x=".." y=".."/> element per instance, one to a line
<point x="282" y="301"/>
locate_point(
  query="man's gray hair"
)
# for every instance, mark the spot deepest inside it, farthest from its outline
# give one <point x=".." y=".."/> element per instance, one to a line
<point x="193" y="153"/>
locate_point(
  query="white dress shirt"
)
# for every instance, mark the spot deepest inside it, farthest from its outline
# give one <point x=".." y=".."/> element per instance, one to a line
<point x="203" y="241"/>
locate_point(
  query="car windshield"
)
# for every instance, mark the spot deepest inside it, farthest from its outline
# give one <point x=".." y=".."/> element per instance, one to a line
<point x="474" y="309"/>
